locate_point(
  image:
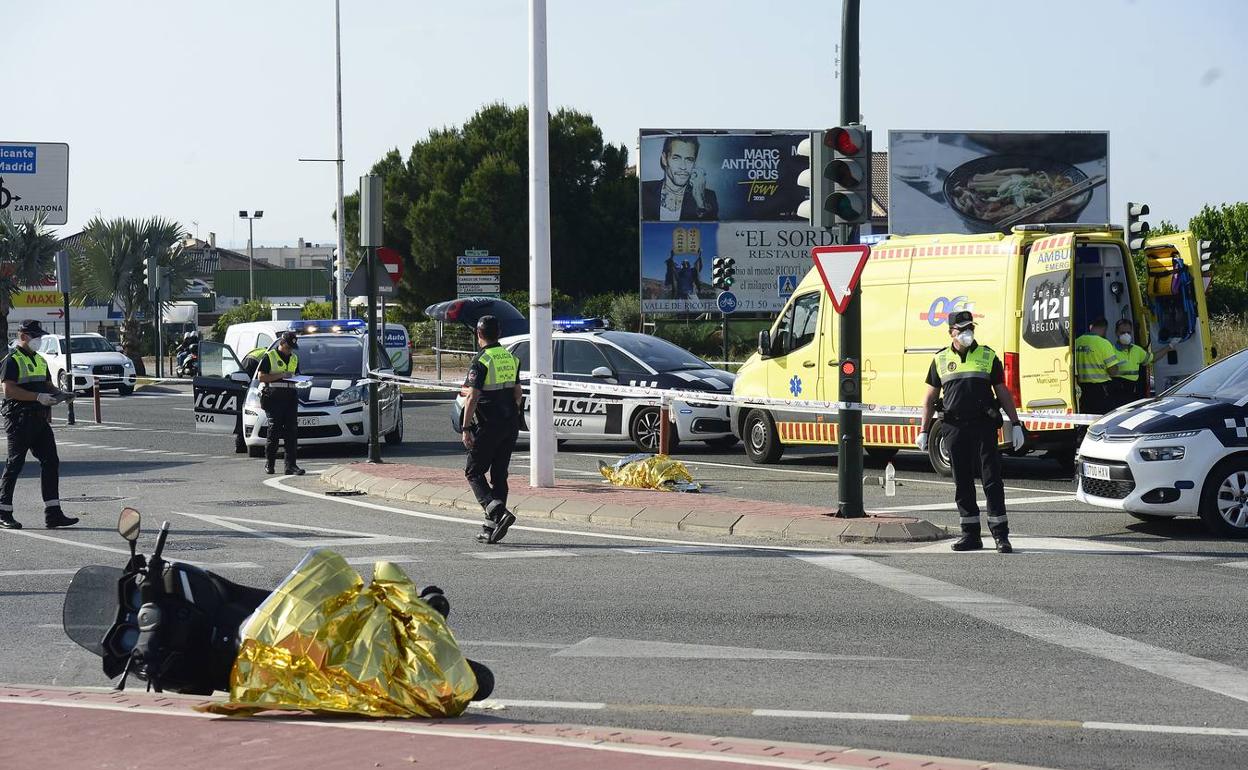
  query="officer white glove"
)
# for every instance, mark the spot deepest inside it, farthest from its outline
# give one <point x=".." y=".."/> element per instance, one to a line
<point x="1017" y="437"/>
<point x="921" y="441"/>
<point x="47" y="399"/>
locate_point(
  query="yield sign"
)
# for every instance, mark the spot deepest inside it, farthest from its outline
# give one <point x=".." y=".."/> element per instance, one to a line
<point x="840" y="267"/>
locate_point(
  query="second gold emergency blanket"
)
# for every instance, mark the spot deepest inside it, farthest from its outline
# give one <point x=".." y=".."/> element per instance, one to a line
<point x="646" y="471"/>
<point x="325" y="641"/>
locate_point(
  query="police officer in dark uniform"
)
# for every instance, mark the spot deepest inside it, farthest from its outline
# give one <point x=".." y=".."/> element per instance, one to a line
<point x="28" y="398"/>
<point x="280" y="402"/>
<point x="489" y="427"/>
<point x="970" y="379"/>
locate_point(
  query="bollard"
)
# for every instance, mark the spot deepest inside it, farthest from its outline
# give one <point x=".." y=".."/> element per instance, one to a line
<point x="95" y="396"/>
<point x="665" y="429"/>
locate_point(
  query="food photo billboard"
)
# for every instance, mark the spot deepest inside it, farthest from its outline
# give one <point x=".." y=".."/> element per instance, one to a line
<point x="981" y="182"/>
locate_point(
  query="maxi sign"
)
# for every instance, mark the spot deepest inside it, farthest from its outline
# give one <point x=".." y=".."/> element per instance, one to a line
<point x="34" y="181"/>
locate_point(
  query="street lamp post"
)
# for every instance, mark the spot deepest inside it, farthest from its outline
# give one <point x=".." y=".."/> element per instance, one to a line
<point x="251" y="262"/>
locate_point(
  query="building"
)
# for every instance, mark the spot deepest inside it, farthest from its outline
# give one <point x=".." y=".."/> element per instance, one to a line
<point x="277" y="287"/>
<point x="306" y="255"/>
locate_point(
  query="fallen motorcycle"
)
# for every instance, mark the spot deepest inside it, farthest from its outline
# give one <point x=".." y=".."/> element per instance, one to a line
<point x="184" y="629"/>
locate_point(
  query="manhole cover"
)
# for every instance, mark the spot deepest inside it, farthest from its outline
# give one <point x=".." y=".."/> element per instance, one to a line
<point x="95" y="499"/>
<point x="248" y="503"/>
<point x="191" y="545"/>
<point x="156" y="481"/>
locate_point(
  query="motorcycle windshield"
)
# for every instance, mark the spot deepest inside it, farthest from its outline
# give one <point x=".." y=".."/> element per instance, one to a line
<point x="91" y="606"/>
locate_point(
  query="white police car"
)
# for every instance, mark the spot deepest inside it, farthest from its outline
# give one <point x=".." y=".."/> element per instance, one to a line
<point x="1183" y="453"/>
<point x="588" y="350"/>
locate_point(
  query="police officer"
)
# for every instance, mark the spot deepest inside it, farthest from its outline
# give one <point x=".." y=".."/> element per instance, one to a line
<point x="489" y="426"/>
<point x="281" y="402"/>
<point x="970" y="379"/>
<point x="1128" y="384"/>
<point x="1096" y="362"/>
<point x="28" y="397"/>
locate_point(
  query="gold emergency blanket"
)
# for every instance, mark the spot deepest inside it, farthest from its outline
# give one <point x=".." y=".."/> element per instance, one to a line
<point x="646" y="471"/>
<point x="324" y="641"/>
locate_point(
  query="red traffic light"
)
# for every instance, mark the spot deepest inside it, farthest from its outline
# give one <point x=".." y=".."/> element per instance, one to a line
<point x="846" y="141"/>
<point x="848" y="368"/>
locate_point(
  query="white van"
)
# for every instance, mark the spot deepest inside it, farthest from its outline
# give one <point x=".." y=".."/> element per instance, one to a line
<point x="246" y="337"/>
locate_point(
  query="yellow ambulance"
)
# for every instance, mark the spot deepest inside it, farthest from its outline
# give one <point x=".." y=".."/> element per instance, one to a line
<point x="1032" y="292"/>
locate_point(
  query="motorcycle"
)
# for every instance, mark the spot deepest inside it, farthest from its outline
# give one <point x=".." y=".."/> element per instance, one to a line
<point x="188" y="363"/>
<point x="173" y="625"/>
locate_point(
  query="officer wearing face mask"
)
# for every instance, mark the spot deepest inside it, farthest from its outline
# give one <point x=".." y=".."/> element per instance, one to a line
<point x="1128" y="384"/>
<point x="970" y="380"/>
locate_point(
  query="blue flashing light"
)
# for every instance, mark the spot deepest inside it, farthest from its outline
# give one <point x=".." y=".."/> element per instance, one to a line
<point x="580" y="324"/>
<point x="329" y="325"/>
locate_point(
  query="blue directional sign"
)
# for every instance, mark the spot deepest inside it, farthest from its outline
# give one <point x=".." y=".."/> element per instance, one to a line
<point x="727" y="302"/>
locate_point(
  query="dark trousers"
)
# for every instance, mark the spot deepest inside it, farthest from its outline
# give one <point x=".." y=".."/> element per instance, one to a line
<point x="973" y="447"/>
<point x="1094" y="398"/>
<point x="283" y="412"/>
<point x="491" y="452"/>
<point x="30" y="433"/>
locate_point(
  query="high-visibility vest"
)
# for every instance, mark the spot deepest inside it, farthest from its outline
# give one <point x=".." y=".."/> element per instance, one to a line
<point x="1130" y="361"/>
<point x="501" y="368"/>
<point x="31" y="367"/>
<point x="978" y="364"/>
<point x="278" y="366"/>
<point x="1093" y="356"/>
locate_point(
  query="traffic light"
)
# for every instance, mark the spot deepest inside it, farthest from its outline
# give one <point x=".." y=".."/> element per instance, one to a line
<point x="851" y="380"/>
<point x="1137" y="228"/>
<point x="723" y="272"/>
<point x="839" y="176"/>
<point x="151" y="277"/>
<point x="1208" y="258"/>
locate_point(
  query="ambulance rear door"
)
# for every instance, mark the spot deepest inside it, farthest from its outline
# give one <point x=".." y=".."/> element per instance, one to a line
<point x="1175" y="295"/>
<point x="1045" y="345"/>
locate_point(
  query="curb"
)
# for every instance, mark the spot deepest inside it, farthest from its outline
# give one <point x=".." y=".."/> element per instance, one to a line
<point x="669" y="511"/>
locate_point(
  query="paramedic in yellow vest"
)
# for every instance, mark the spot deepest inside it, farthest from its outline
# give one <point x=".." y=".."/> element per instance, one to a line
<point x="280" y="402"/>
<point x="1096" y="362"/>
<point x="28" y="398"/>
<point x="969" y="379"/>
<point x="490" y="425"/>
<point x="1128" y="384"/>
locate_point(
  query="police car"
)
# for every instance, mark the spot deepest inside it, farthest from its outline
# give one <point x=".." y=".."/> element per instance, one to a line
<point x="1183" y="453"/>
<point x="333" y="402"/>
<point x="588" y="350"/>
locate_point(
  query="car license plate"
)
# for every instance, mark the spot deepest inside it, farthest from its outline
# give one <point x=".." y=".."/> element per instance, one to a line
<point x="1094" y="471"/>
<point x="312" y="422"/>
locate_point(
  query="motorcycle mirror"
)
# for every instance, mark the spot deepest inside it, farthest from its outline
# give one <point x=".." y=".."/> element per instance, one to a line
<point x="128" y="524"/>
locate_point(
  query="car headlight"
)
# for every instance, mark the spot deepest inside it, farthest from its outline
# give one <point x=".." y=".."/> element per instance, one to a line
<point x="81" y="367"/>
<point x="352" y="395"/>
<point x="127" y="364"/>
<point x="1155" y="453"/>
<point x="1169" y="436"/>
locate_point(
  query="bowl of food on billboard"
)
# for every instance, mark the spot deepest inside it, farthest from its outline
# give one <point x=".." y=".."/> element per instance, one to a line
<point x="987" y="193"/>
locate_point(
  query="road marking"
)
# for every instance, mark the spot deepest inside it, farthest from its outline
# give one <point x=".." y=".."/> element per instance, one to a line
<point x="343" y="536"/>
<point x="370" y="560"/>
<point x="126" y="552"/>
<point x="524" y="553"/>
<point x="534" y="645"/>
<point x="25" y="572"/>
<point x="1235" y="564"/>
<point x="537" y="704"/>
<point x="670" y="549"/>
<point x="1235" y="732"/>
<point x="1062" y="544"/>
<point x="836" y="715"/>
<point x="601" y="647"/>
<point x="1046" y="627"/>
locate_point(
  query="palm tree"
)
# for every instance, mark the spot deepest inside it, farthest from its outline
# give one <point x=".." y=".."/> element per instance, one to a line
<point x="109" y="268"/>
<point x="27" y="253"/>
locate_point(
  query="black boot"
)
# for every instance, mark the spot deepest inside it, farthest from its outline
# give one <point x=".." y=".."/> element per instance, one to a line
<point x="294" y="470"/>
<point x="1003" y="542"/>
<point x="505" y="519"/>
<point x="54" y="517"/>
<point x="268" y="468"/>
<point x="969" y="542"/>
<point x="8" y="522"/>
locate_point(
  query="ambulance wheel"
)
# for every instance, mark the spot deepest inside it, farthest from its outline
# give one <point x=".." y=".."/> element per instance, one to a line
<point x="644" y="431"/>
<point x="938" y="451"/>
<point x="1224" y="499"/>
<point x="762" y="442"/>
<point x="881" y="454"/>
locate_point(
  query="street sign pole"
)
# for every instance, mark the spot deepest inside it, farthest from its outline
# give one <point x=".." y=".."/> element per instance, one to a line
<point x="849" y="423"/>
<point x="370" y="239"/>
<point x="62" y="283"/>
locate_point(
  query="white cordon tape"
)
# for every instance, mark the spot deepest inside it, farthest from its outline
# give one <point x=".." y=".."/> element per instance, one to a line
<point x="662" y="396"/>
<point x="135" y="377"/>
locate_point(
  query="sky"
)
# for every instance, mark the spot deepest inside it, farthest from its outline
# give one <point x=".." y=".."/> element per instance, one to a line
<point x="196" y="109"/>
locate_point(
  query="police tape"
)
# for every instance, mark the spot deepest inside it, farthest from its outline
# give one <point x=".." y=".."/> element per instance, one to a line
<point x="1033" y="420"/>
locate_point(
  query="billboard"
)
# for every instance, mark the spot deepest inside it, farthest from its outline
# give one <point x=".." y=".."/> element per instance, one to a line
<point x="980" y="182"/>
<point x="707" y="194"/>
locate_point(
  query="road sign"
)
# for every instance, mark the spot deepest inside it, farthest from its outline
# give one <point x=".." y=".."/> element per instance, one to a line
<point x="727" y="302"/>
<point x="476" y="270"/>
<point x="477" y="253"/>
<point x="34" y="181"/>
<point x="358" y="285"/>
<point x="478" y="274"/>
<point x="477" y="260"/>
<point x="840" y="267"/>
<point x="392" y="261"/>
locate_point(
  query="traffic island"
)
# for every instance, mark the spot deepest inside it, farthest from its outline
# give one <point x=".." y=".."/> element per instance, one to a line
<point x="583" y="502"/>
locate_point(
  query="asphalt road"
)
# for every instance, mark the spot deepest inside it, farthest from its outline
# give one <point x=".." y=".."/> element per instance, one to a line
<point x="1104" y="643"/>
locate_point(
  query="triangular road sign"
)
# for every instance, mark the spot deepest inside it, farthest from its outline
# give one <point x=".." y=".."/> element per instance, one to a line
<point x="358" y="285"/>
<point x="840" y="267"/>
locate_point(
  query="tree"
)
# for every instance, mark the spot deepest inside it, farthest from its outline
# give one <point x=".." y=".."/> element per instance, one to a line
<point x="109" y="268"/>
<point x="317" y="311"/>
<point x="256" y="310"/>
<point x="467" y="187"/>
<point x="27" y="254"/>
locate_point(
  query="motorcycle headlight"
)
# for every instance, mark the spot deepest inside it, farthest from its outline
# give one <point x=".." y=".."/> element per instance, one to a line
<point x="1155" y="453"/>
<point x="352" y="395"/>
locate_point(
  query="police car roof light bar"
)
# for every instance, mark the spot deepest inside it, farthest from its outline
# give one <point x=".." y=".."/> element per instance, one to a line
<point x="580" y="324"/>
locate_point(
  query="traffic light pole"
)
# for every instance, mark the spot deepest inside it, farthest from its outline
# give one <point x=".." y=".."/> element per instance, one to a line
<point x="849" y="423"/>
